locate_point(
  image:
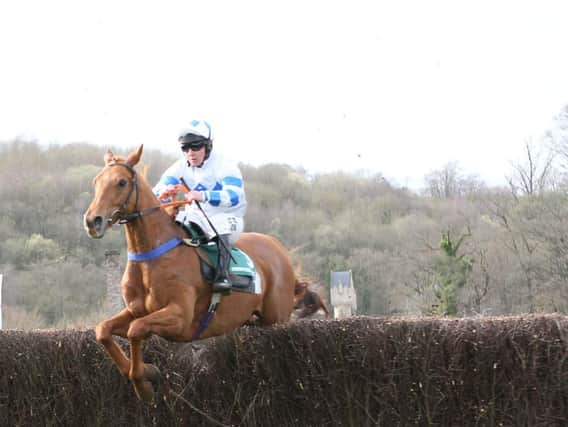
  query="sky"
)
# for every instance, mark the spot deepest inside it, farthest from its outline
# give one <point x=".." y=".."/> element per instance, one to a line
<point x="399" y="88"/>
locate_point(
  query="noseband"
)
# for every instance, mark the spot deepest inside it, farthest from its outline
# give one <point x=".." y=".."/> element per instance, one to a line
<point x="123" y="217"/>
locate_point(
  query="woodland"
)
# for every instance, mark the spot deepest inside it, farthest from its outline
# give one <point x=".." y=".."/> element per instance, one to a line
<point x="456" y="247"/>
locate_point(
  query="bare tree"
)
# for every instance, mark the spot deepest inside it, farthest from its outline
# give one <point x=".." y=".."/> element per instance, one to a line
<point x="509" y="215"/>
<point x="443" y="183"/>
<point x="449" y="183"/>
<point x="532" y="176"/>
<point x="558" y="135"/>
<point x="479" y="282"/>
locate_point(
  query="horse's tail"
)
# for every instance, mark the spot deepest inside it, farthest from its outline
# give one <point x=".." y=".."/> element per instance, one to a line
<point x="308" y="299"/>
<point x="323" y="306"/>
<point x="307" y="296"/>
<point x="314" y="302"/>
<point x="300" y="289"/>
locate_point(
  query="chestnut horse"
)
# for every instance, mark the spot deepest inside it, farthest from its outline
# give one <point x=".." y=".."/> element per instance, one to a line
<point x="166" y="295"/>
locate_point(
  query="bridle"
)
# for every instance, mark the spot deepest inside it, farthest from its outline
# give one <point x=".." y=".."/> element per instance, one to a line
<point x="123" y="217"/>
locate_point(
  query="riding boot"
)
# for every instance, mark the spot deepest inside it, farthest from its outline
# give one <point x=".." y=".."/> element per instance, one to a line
<point x="222" y="283"/>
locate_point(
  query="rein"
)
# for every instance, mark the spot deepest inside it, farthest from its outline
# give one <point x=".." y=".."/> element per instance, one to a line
<point x="124" y="218"/>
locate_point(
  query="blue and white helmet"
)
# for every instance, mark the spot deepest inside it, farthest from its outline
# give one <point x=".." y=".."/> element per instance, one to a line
<point x="198" y="128"/>
<point x="198" y="132"/>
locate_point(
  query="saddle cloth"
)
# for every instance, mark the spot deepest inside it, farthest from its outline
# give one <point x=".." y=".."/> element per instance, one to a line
<point x="242" y="272"/>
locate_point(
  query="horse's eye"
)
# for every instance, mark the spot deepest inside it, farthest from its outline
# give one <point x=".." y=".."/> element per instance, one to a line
<point x="122" y="183"/>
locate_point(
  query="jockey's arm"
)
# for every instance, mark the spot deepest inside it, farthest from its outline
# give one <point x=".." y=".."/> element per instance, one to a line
<point x="165" y="190"/>
<point x="231" y="193"/>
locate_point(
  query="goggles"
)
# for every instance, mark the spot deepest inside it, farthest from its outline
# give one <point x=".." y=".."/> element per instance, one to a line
<point x="193" y="146"/>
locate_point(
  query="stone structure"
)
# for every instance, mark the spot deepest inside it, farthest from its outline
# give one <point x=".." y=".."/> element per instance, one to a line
<point x="113" y="301"/>
<point x="343" y="296"/>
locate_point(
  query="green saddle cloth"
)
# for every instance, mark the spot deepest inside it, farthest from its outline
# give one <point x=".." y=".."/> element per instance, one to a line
<point x="240" y="265"/>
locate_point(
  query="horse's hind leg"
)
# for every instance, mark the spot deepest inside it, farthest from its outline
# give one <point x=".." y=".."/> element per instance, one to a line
<point x="117" y="325"/>
<point x="277" y="308"/>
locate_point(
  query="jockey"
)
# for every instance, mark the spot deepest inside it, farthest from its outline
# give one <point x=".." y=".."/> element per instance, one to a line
<point x="216" y="184"/>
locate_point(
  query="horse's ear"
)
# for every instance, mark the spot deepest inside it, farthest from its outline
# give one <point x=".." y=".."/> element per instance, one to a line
<point x="134" y="157"/>
<point x="109" y="157"/>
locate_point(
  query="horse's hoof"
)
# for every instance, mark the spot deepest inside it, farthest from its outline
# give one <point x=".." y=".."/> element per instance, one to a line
<point x="152" y="373"/>
<point x="144" y="390"/>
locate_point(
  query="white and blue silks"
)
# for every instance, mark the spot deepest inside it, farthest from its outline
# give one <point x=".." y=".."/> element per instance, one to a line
<point x="221" y="184"/>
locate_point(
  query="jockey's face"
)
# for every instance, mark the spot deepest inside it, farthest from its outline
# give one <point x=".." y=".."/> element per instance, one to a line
<point x="195" y="157"/>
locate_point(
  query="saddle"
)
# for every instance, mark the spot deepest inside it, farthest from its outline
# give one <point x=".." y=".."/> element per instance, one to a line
<point x="242" y="272"/>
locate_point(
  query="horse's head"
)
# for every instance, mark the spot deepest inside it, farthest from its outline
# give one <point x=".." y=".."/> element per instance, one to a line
<point x="116" y="193"/>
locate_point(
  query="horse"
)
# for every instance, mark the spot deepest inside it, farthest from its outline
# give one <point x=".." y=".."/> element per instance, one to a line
<point x="167" y="295"/>
<point x="307" y="301"/>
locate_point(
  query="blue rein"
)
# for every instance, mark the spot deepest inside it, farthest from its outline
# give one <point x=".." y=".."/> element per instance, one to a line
<point x="156" y="252"/>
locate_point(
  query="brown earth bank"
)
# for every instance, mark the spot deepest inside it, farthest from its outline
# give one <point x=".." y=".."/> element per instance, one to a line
<point x="362" y="371"/>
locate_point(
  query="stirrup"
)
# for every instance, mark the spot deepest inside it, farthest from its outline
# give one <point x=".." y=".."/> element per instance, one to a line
<point x="222" y="286"/>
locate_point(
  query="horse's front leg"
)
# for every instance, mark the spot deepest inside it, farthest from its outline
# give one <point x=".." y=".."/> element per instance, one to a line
<point x="117" y="325"/>
<point x="166" y="322"/>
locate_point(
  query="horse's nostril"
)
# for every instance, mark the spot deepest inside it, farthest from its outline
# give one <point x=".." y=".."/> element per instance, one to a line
<point x="98" y="221"/>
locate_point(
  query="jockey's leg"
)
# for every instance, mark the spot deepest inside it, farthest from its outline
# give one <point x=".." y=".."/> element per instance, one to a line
<point x="224" y="229"/>
<point x="117" y="325"/>
<point x="225" y="232"/>
<point x="222" y="282"/>
<point x="229" y="228"/>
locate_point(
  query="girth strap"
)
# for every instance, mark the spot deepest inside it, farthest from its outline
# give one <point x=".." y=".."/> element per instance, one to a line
<point x="215" y="300"/>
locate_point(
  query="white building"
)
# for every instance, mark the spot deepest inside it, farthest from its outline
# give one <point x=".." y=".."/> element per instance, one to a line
<point x="343" y="296"/>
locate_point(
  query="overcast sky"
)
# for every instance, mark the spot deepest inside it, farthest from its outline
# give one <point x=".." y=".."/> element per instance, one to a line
<point x="397" y="87"/>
